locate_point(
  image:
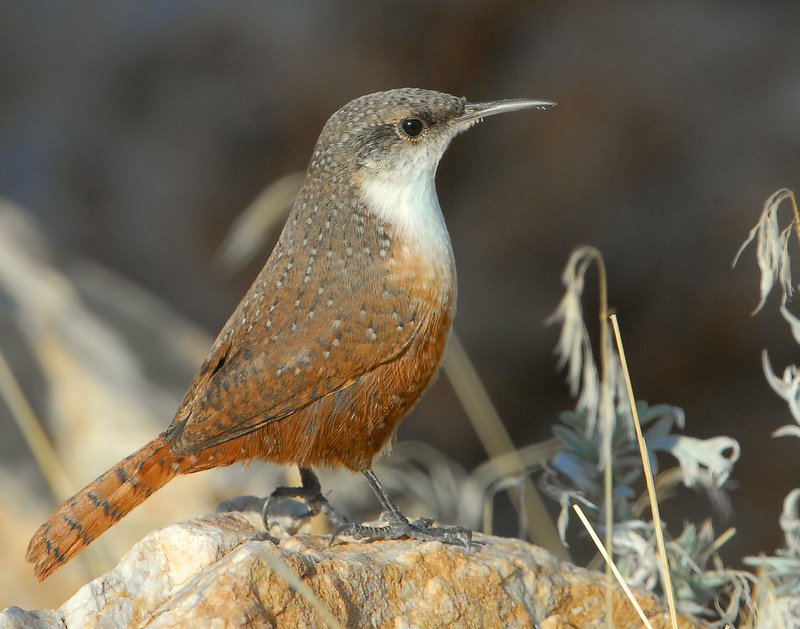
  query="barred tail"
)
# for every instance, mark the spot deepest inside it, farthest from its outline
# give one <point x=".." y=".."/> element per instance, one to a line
<point x="89" y="513"/>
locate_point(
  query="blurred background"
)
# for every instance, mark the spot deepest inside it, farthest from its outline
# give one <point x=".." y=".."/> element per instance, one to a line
<point x="132" y="135"/>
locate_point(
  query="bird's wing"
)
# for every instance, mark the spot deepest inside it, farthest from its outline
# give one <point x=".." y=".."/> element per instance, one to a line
<point x="267" y="364"/>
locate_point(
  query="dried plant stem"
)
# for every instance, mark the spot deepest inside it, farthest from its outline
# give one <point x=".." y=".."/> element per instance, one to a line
<point x="282" y="570"/>
<point x="648" y="475"/>
<point x="495" y="439"/>
<point x="531" y="456"/>
<point x="252" y="227"/>
<point x="35" y="436"/>
<point x="607" y="411"/>
<point x="606" y="405"/>
<point x="55" y="475"/>
<point x="611" y="565"/>
<point x="790" y="195"/>
<point x="666" y="482"/>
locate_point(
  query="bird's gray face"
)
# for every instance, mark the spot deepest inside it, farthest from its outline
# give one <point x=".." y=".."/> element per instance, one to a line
<point x="411" y="135"/>
<point x="400" y="134"/>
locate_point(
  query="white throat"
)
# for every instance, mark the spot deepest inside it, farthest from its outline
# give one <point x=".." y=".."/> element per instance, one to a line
<point x="412" y="208"/>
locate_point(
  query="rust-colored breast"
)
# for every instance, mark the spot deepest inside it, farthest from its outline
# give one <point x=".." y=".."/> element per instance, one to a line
<point x="353" y="424"/>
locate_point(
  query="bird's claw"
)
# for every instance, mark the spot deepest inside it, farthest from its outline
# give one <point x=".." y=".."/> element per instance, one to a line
<point x="311" y="493"/>
<point x="398" y="528"/>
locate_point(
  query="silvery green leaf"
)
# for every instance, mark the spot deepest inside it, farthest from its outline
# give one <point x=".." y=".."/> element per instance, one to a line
<point x="771" y="248"/>
<point x="790" y="521"/>
<point x="787" y="431"/>
<point x="582" y="474"/>
<point x="787" y="386"/>
<point x="696" y="454"/>
<point x="794" y="322"/>
<point x="574" y="442"/>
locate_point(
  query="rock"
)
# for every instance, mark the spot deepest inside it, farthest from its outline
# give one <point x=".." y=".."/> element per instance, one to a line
<point x="218" y="570"/>
<point x="16" y="618"/>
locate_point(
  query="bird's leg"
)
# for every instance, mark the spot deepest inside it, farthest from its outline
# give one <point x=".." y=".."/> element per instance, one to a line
<point x="311" y="492"/>
<point x="398" y="525"/>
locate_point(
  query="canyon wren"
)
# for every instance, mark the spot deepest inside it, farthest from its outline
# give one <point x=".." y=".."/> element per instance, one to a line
<point x="336" y="339"/>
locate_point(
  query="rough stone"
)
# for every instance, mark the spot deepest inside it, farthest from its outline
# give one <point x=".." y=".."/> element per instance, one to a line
<point x="219" y="570"/>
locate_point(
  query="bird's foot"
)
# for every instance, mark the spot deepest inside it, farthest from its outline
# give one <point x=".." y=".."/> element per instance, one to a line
<point x="311" y="493"/>
<point x="399" y="527"/>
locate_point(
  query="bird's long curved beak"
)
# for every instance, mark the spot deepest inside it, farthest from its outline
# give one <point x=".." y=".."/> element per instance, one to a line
<point x="475" y="111"/>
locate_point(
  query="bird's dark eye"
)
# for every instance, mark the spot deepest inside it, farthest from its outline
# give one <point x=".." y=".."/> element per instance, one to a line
<point x="412" y="127"/>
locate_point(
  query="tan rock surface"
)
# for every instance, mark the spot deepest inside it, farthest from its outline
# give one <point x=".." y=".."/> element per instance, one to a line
<point x="218" y="571"/>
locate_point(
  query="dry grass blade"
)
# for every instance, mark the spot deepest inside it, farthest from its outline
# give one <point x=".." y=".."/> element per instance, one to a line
<point x="35" y="436"/>
<point x="648" y="475"/>
<point x="494" y="437"/>
<point x="575" y="350"/>
<point x="531" y="456"/>
<point x="97" y="559"/>
<point x="281" y="569"/>
<point x="611" y="565"/>
<point x="250" y="230"/>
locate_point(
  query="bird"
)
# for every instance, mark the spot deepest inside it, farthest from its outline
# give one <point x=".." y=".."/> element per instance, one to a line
<point x="336" y="339"/>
